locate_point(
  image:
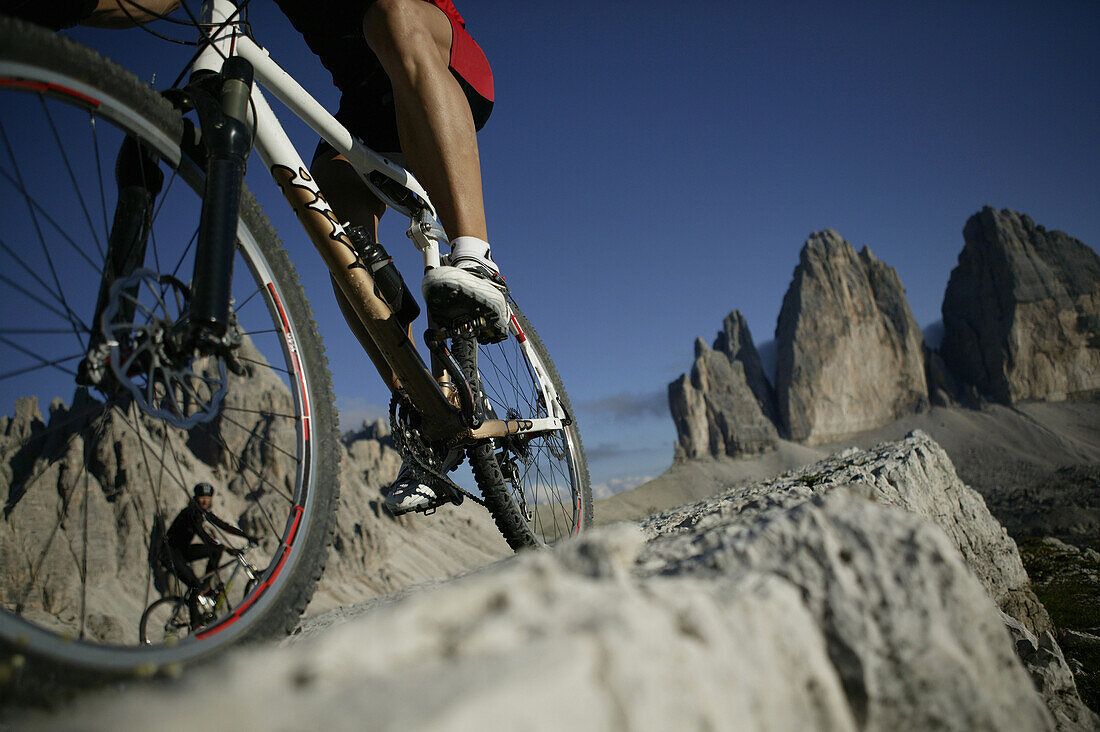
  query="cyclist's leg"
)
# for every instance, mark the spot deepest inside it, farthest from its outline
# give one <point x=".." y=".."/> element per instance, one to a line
<point x="412" y="40"/>
<point x="182" y="566"/>
<point x="352" y="201"/>
<point x="213" y="558"/>
<point x="124" y="13"/>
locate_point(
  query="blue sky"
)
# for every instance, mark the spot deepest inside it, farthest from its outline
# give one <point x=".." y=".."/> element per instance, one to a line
<point x="650" y="166"/>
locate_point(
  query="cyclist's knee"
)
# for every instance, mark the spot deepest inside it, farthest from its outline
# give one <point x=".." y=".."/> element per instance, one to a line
<point x="398" y="30"/>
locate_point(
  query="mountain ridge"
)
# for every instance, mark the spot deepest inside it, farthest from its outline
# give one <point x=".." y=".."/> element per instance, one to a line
<point x="1021" y="322"/>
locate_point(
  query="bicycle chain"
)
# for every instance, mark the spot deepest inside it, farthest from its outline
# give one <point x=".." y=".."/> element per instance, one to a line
<point x="420" y="457"/>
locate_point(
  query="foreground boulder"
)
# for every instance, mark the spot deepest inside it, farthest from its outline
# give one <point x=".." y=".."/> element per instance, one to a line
<point x="813" y="601"/>
<point x="1021" y="313"/>
<point x="914" y="474"/>
<point x="891" y="596"/>
<point x="849" y="349"/>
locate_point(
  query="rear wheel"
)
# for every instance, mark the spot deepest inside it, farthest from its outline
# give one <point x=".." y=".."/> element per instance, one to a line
<point x="535" y="485"/>
<point x="87" y="469"/>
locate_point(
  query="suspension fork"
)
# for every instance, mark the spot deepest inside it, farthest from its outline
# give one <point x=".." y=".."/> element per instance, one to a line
<point x="228" y="142"/>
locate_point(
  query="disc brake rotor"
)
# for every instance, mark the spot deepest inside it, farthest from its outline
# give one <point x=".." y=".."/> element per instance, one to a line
<point x="148" y="358"/>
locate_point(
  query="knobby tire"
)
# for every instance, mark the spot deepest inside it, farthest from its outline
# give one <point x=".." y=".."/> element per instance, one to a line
<point x="292" y="507"/>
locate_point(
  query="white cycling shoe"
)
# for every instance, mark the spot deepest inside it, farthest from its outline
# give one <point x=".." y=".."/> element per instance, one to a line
<point x="408" y="493"/>
<point x="470" y="288"/>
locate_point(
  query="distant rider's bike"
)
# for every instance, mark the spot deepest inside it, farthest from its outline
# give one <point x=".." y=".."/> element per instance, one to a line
<point x="170" y="619"/>
<point x="153" y="333"/>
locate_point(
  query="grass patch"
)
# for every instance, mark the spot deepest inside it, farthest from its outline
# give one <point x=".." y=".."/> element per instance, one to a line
<point x="1068" y="585"/>
<point x="1088" y="677"/>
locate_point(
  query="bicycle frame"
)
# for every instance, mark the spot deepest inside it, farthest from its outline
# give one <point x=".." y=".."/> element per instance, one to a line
<point x="395" y="186"/>
<point x="240" y="564"/>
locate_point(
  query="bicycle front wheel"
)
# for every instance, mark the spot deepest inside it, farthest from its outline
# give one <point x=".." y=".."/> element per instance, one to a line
<point x="167" y="621"/>
<point x="536" y="486"/>
<point x="93" y="455"/>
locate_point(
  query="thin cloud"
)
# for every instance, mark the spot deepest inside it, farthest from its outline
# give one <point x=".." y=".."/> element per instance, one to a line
<point x="612" y="450"/>
<point x="356" y="410"/>
<point x="631" y="406"/>
<point x="617" y="485"/>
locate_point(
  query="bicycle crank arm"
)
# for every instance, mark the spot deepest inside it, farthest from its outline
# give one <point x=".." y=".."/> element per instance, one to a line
<point x="505" y="427"/>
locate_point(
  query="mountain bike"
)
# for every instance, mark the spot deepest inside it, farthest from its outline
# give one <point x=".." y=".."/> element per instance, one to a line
<point x="149" y="303"/>
<point x="169" y="619"/>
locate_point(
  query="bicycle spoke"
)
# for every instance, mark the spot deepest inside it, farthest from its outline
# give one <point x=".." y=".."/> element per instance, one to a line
<point x="57" y="227"/>
<point x="62" y="514"/>
<point x="99" y="171"/>
<point x="165" y="190"/>
<point x="37" y="226"/>
<point x="77" y="326"/>
<point x="147" y="463"/>
<point x="241" y="465"/>
<point x="134" y="427"/>
<point x="245" y="359"/>
<point x="264" y="440"/>
<point x="240" y="306"/>
<point x="263" y="512"/>
<point x="72" y="175"/>
<point x="68" y="316"/>
<point x="42" y="362"/>
<point x="84" y="566"/>
<point x="183" y="256"/>
<point x="42" y="435"/>
<point x="243" y="410"/>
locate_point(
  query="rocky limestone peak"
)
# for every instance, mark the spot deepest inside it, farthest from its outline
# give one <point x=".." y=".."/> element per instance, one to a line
<point x="849" y="349"/>
<point x="735" y="341"/>
<point x="1022" y="310"/>
<point x="701" y="347"/>
<point x="378" y="429"/>
<point x="726" y="406"/>
<point x="821" y="243"/>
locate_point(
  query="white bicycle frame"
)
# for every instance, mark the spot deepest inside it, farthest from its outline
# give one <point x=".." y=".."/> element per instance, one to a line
<point x="274" y="147"/>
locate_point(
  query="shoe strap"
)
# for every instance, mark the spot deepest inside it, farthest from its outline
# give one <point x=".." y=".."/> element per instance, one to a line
<point x="476" y="267"/>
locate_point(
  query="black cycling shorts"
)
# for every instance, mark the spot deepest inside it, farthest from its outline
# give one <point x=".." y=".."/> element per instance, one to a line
<point x="333" y="29"/>
<point x="53" y="14"/>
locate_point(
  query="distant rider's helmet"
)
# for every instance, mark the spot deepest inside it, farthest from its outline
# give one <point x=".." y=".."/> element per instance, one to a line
<point x="203" y="489"/>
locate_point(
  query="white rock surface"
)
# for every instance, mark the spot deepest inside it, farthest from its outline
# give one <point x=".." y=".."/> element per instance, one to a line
<point x="914" y="474"/>
<point x="809" y="604"/>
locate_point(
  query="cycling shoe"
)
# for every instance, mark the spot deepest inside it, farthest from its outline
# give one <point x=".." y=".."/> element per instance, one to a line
<point x="409" y="493"/>
<point x="473" y="291"/>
